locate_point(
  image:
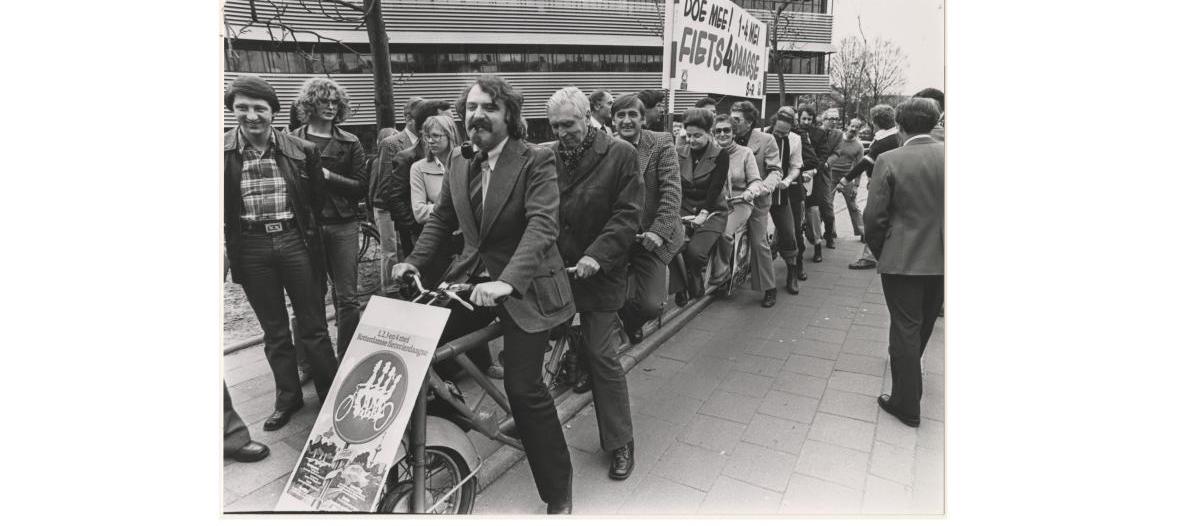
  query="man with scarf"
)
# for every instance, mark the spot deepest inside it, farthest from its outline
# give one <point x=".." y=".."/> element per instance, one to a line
<point x="601" y="195"/>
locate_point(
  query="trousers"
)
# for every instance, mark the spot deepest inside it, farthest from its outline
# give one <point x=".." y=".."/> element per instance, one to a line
<point x="738" y="217"/>
<point x="236" y="434"/>
<point x="850" y="193"/>
<point x="341" y="260"/>
<point x="763" y="277"/>
<point x="913" y="303"/>
<point x="609" y="390"/>
<point x="645" y="289"/>
<point x="388" y="254"/>
<point x="272" y="265"/>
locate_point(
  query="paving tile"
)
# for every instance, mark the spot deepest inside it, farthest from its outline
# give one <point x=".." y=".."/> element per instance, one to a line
<point x="853" y="405"/>
<point x="809" y="365"/>
<point x="763" y="467"/>
<point x="672" y="407"/>
<point x="817" y="349"/>
<point x="808" y="495"/>
<point x="890" y="431"/>
<point x="880" y="320"/>
<point x="653" y="436"/>
<point x="593" y="493"/>
<point x="929" y="486"/>
<point x="837" y="464"/>
<point x="513" y="493"/>
<point x="931" y="435"/>
<point x="643" y="385"/>
<point x="260" y="500"/>
<point x="690" y="465"/>
<point x="779" y="349"/>
<point x="856" y="345"/>
<point x="789" y="406"/>
<point x="582" y="431"/>
<point x="875" y="298"/>
<point x="747" y="384"/>
<point x="659" y="496"/>
<point x="696" y="386"/>
<point x="712" y="366"/>
<point x="716" y="434"/>
<point x="878" y="334"/>
<point x="776" y="433"/>
<point x="886" y="497"/>
<point x="855" y="363"/>
<point x="660" y="366"/>
<point x="893" y="463"/>
<point x="243" y="479"/>
<point x="800" y="384"/>
<point x="731" y="406"/>
<point x="856" y="383"/>
<point x="933" y="407"/>
<point x="759" y="365"/>
<point x="734" y="497"/>
<point x="823" y="334"/>
<point x="842" y="431"/>
<point x="828" y="322"/>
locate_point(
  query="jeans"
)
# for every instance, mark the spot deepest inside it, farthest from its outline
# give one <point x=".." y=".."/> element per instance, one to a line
<point x="271" y="265"/>
<point x="785" y="232"/>
<point x="796" y="197"/>
<point x="850" y="193"/>
<point x="388" y="256"/>
<point x="341" y="258"/>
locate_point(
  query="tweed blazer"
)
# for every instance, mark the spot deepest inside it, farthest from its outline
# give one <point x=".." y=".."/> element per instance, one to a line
<point x="905" y="214"/>
<point x="659" y="166"/>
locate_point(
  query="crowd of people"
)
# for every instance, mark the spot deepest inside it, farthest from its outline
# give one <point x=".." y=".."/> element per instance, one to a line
<point x="586" y="224"/>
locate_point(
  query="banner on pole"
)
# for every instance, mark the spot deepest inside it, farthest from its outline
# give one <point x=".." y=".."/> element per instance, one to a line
<point x="714" y="46"/>
<point x="358" y="432"/>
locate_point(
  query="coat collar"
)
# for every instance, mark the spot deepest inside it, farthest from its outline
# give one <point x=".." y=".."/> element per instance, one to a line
<point x="587" y="163"/>
<point x="504" y="178"/>
<point x="287" y="144"/>
<point x="336" y="134"/>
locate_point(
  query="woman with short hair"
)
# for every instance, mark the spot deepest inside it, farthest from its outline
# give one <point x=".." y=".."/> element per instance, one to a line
<point x="743" y="181"/>
<point x="704" y="172"/>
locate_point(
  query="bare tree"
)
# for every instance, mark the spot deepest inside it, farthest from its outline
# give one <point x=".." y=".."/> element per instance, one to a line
<point x="848" y="74"/>
<point x="865" y="71"/>
<point x="367" y="15"/>
<point x="777" y="22"/>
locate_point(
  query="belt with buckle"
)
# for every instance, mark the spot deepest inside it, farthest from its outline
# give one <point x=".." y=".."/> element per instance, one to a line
<point x="268" y="227"/>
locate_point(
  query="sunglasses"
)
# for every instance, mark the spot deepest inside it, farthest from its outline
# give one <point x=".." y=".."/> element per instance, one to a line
<point x="719" y="131"/>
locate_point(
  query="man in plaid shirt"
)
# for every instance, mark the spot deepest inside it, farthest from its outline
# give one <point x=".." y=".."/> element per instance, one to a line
<point x="273" y="185"/>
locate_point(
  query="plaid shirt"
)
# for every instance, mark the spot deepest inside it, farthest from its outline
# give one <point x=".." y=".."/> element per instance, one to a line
<point x="264" y="192"/>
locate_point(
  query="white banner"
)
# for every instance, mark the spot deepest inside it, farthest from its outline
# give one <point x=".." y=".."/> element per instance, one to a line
<point x="714" y="47"/>
<point x="357" y="435"/>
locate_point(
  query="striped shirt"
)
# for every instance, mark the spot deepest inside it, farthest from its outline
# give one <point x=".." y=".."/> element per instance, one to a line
<point x="264" y="191"/>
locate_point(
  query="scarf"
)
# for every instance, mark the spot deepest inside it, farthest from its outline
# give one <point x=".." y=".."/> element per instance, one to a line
<point x="570" y="158"/>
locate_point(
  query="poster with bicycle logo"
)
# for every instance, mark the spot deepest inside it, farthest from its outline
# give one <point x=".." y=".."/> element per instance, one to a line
<point x="358" y="433"/>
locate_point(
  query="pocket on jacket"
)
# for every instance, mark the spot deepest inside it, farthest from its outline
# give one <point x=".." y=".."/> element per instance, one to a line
<point x="550" y="294"/>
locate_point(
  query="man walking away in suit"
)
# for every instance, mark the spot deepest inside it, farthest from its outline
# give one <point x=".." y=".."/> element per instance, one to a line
<point x="505" y="201"/>
<point x="601" y="197"/>
<point x="904" y="227"/>
<point x="660" y="231"/>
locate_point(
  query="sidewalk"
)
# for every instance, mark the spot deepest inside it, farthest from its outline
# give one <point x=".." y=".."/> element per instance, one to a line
<point x="761" y="411"/>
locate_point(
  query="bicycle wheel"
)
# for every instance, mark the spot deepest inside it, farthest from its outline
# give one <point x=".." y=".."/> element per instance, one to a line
<point x="444" y="469"/>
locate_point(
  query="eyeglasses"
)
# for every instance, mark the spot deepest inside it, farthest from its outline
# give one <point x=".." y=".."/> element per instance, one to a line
<point x="329" y="102"/>
<point x="719" y="131"/>
<point x="434" y="137"/>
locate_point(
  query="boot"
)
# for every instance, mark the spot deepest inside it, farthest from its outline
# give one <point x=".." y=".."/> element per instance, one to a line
<point x="817" y="253"/>
<point x="793" y="280"/>
<point x="800" y="275"/>
<point x="769" y="298"/>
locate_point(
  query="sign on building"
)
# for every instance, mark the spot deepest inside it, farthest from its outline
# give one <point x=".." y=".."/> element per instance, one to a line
<point x="357" y="435"/>
<point x="714" y="47"/>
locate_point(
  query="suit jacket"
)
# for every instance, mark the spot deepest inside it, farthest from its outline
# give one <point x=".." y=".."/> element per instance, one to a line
<point x="601" y="206"/>
<point x="514" y="240"/>
<point x="388" y="149"/>
<point x="395" y="191"/>
<point x="659" y="165"/>
<point x="766" y="154"/>
<point x="905" y="211"/>
<point x="299" y="165"/>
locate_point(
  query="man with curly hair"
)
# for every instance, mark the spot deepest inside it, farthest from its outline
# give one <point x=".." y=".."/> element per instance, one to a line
<point x="321" y="105"/>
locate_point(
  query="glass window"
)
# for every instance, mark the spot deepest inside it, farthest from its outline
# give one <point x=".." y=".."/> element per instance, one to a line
<point x="454" y="63"/>
<point x="351" y="63"/>
<point x="542" y="62"/>
<point x="512" y="61"/>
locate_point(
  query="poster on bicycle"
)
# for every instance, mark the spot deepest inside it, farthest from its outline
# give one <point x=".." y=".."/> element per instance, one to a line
<point x="358" y="432"/>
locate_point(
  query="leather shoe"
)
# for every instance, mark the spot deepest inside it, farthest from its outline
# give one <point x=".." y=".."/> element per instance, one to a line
<point x="769" y="298"/>
<point x="681" y="298"/>
<point x="817" y="253"/>
<point x="885" y="403"/>
<point x="279" y="419"/>
<point x="793" y="280"/>
<point x="635" y="335"/>
<point x="559" y="507"/>
<point x="862" y="264"/>
<point x="251" y="452"/>
<point x="584" y="384"/>
<point x="829" y="243"/>
<point x="622" y="462"/>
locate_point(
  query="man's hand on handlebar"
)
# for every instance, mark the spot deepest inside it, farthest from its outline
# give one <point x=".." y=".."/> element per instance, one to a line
<point x="402" y="268"/>
<point x="491" y="293"/>
<point x="586" y="267"/>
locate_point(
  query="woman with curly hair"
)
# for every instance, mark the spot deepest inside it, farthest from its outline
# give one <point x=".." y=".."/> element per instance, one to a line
<point x="321" y="105"/>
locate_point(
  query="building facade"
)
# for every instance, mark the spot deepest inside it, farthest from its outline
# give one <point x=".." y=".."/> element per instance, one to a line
<point x="438" y="46"/>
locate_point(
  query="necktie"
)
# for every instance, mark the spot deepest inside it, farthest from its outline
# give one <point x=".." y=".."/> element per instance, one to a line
<point x="477" y="190"/>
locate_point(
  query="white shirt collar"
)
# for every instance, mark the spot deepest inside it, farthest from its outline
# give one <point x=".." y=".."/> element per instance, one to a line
<point x="886" y="133"/>
<point x="494" y="154"/>
<point x="914" y="137"/>
<point x="412" y="137"/>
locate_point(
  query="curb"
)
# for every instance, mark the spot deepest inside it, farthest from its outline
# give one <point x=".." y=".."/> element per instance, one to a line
<point x="570" y="403"/>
